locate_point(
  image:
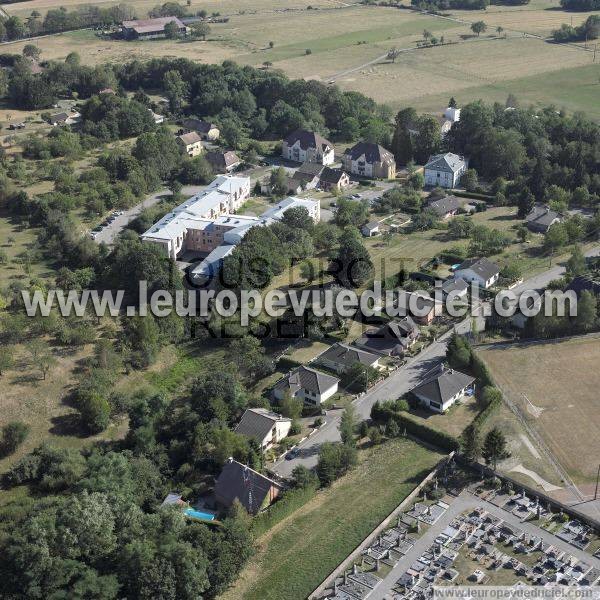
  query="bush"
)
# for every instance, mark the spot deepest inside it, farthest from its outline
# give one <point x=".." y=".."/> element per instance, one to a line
<point x="95" y="412"/>
<point x="334" y="460"/>
<point x="13" y="435"/>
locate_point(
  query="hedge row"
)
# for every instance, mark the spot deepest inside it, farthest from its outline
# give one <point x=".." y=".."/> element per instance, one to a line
<point x="480" y="371"/>
<point x="290" y="501"/>
<point x="486" y="413"/>
<point x="285" y="362"/>
<point x="474" y="195"/>
<point x="406" y="423"/>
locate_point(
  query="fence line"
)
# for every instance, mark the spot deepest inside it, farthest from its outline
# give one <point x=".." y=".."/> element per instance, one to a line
<point x="328" y="581"/>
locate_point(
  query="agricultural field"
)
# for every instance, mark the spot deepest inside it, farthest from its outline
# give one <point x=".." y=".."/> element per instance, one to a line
<point x="143" y="6"/>
<point x="348" y="43"/>
<point x="298" y="553"/>
<point x="95" y="50"/>
<point x="555" y="385"/>
<point x="425" y="78"/>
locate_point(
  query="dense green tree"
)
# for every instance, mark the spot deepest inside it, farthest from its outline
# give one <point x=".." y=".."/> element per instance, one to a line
<point x="470" y="443"/>
<point x="494" y="447"/>
<point x="348" y="426"/>
<point x="352" y="263"/>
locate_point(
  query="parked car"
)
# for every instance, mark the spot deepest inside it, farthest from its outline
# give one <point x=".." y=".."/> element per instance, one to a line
<point x="293" y="453"/>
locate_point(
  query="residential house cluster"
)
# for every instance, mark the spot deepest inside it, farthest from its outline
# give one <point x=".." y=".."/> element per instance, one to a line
<point x="364" y="159"/>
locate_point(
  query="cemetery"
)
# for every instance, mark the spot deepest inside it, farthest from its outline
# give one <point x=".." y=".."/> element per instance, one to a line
<point x="471" y="533"/>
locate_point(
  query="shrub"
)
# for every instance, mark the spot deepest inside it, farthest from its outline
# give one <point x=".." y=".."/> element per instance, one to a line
<point x="13" y="435"/>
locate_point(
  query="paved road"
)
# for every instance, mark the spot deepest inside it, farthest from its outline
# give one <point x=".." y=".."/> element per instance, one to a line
<point x="539" y="282"/>
<point x="397" y="384"/>
<point x="467" y="501"/>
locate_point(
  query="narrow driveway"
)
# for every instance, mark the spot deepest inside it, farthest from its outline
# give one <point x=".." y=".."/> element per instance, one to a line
<point x="109" y="233"/>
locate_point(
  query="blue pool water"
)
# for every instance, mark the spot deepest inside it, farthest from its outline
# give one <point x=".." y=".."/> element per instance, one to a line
<point x="198" y="514"/>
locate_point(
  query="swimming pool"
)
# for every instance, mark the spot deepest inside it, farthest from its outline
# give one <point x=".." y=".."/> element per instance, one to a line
<point x="198" y="514"/>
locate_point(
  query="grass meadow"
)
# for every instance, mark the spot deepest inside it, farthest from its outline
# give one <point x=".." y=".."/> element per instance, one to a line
<point x="337" y="41"/>
<point x="298" y="553"/>
<point x="561" y="378"/>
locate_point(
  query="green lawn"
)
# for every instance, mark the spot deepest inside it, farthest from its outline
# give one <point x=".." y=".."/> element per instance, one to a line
<point x="294" y="557"/>
<point x="415" y="249"/>
<point x="16" y="241"/>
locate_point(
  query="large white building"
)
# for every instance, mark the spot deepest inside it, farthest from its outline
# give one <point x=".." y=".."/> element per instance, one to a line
<point x="276" y="212"/>
<point x="234" y="228"/>
<point x="444" y="170"/>
<point x="184" y="227"/>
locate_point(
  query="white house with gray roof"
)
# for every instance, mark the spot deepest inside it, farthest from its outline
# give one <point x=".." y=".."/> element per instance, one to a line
<point x="442" y="387"/>
<point x="341" y="357"/>
<point x="480" y="270"/>
<point x="263" y="425"/>
<point x="312" y="386"/>
<point x="444" y="170"/>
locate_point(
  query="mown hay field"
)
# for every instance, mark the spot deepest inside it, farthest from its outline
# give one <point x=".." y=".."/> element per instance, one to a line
<point x="562" y="379"/>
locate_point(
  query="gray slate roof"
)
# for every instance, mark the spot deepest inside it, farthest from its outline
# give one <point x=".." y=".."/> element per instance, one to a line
<point x="308" y="379"/>
<point x="391" y="338"/>
<point x="448" y="162"/>
<point x="247" y="485"/>
<point x="541" y="217"/>
<point x="373" y="153"/>
<point x="308" y="139"/>
<point x="371" y="225"/>
<point x="222" y="160"/>
<point x="454" y="285"/>
<point x="330" y="175"/>
<point x="445" y="205"/>
<point x="443" y="384"/>
<point x="59" y="117"/>
<point x="310" y="168"/>
<point x="198" y="125"/>
<point x="347" y="355"/>
<point x="482" y="266"/>
<point x="257" y="422"/>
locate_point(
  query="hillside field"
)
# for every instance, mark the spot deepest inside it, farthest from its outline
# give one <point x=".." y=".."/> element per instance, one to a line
<point x="561" y="381"/>
<point x="347" y="44"/>
<point x="298" y="553"/>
